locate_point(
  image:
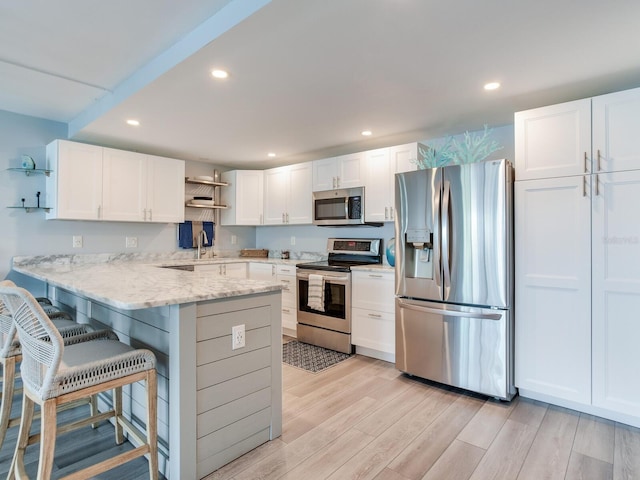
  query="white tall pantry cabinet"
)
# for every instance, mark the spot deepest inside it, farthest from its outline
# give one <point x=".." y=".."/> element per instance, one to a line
<point x="577" y="228"/>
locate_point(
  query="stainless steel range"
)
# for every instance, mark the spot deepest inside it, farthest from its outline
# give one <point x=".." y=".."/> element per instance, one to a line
<point x="324" y="292"/>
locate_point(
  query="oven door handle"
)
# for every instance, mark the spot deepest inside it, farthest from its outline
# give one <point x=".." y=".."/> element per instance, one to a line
<point x="327" y="278"/>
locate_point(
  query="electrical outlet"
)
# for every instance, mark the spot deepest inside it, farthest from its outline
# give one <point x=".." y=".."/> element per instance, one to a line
<point x="234" y="239"/>
<point x="293" y="240"/>
<point x="131" y="242"/>
<point x="77" y="241"/>
<point x="237" y="337"/>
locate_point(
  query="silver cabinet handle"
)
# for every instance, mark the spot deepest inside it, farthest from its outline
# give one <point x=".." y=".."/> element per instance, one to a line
<point x="584" y="186"/>
<point x="150" y="215"/>
<point x="283" y="218"/>
<point x="273" y="270"/>
<point x="287" y="217"/>
<point x="597" y="189"/>
<point x="334" y="182"/>
<point x="286" y="310"/>
<point x="337" y="182"/>
<point x="586" y="170"/>
<point x="375" y="315"/>
<point x="598" y="160"/>
<point x="285" y="270"/>
<point x="285" y="281"/>
<point x="374" y="275"/>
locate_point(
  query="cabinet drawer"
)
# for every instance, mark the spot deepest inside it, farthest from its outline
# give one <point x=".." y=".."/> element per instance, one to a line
<point x="375" y="330"/>
<point x="289" y="317"/>
<point x="373" y="291"/>
<point x="286" y="270"/>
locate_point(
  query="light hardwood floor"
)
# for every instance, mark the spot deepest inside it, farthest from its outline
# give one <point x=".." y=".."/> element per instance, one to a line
<point x="362" y="419"/>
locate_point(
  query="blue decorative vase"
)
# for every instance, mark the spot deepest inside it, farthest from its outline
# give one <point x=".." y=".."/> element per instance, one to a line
<point x="391" y="252"/>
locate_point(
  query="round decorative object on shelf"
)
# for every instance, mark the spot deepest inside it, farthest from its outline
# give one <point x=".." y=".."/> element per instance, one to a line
<point x="28" y="163"/>
<point x="391" y="251"/>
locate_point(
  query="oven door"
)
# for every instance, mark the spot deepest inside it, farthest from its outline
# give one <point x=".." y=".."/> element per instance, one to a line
<point x="337" y="301"/>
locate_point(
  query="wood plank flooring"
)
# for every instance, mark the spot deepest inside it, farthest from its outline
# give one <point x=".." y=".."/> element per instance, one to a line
<point x="362" y="419"/>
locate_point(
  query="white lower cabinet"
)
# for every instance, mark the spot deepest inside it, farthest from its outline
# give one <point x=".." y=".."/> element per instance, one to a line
<point x="578" y="292"/>
<point x="373" y="313"/>
<point x="233" y="270"/>
<point x="286" y="274"/>
<point x="553" y="288"/>
<point x="616" y="292"/>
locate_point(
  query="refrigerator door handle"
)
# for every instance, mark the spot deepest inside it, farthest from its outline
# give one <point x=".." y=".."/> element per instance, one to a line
<point x="437" y="247"/>
<point x="409" y="305"/>
<point x="445" y="239"/>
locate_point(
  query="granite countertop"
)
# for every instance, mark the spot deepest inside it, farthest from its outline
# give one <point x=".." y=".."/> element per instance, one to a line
<point x="136" y="284"/>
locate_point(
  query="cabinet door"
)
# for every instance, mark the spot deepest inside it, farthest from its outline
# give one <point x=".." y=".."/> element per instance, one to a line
<point x="616" y="129"/>
<point x="299" y="200"/>
<point x="552" y="288"/>
<point x="249" y="197"/>
<point x="74" y="189"/>
<point x="373" y="291"/>
<point x="375" y="330"/>
<point x="165" y="190"/>
<point x="124" y="185"/>
<point x="324" y="174"/>
<point x="403" y="158"/>
<point x="275" y="196"/>
<point x="261" y="271"/>
<point x="616" y="292"/>
<point x="235" y="270"/>
<point x="553" y="141"/>
<point x="377" y="191"/>
<point x="350" y="170"/>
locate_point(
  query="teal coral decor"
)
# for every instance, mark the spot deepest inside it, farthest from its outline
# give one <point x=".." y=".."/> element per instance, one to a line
<point x="391" y="251"/>
<point x="474" y="148"/>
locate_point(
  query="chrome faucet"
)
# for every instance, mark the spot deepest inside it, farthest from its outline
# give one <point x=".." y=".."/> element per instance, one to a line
<point x="201" y="249"/>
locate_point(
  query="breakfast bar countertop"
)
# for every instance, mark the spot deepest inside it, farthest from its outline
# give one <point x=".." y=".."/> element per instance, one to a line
<point x="132" y="285"/>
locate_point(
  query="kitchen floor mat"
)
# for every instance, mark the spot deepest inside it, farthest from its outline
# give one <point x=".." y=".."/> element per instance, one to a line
<point x="310" y="357"/>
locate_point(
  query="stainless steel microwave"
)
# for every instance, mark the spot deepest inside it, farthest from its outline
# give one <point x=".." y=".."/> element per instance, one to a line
<point x="339" y="207"/>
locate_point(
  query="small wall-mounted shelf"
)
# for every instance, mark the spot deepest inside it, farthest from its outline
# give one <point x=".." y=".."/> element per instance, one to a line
<point x="31" y="209"/>
<point x="204" y="206"/>
<point x="31" y="171"/>
<point x="205" y="182"/>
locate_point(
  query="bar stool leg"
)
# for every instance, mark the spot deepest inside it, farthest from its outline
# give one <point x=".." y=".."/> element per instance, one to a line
<point x="48" y="433"/>
<point x="17" y="464"/>
<point x="8" y="381"/>
<point x="117" y="407"/>
<point x="152" y="422"/>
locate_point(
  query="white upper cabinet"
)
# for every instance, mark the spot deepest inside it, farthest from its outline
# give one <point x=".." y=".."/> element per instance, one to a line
<point x="243" y="197"/>
<point x="287" y="195"/>
<point x="592" y="135"/>
<point x="553" y="141"/>
<point x="74" y="187"/>
<point x="165" y="190"/>
<point x="616" y="131"/>
<point x="378" y="189"/>
<point x="345" y="171"/>
<point x="95" y="183"/>
<point x="380" y="167"/>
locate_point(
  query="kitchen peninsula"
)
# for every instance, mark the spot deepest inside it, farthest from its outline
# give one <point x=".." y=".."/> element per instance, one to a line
<point x="214" y="403"/>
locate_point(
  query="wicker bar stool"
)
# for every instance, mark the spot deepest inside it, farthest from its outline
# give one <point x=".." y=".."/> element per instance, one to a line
<point x="10" y="356"/>
<point x="55" y="373"/>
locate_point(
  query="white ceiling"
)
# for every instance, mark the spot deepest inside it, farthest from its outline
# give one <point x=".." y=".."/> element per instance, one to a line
<point x="306" y="76"/>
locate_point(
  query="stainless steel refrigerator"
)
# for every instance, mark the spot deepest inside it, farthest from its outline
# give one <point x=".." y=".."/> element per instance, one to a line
<point x="454" y="276"/>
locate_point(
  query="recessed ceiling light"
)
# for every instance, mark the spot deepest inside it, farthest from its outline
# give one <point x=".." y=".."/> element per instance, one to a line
<point x="271" y="154"/>
<point x="133" y="122"/>
<point x="492" y="86"/>
<point x="366" y="133"/>
<point x="217" y="73"/>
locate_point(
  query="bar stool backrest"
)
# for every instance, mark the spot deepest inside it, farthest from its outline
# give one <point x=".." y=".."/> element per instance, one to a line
<point x="8" y="342"/>
<point x="41" y="343"/>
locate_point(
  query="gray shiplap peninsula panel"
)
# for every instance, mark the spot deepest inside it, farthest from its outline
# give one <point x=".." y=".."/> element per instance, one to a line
<point x="218" y="348"/>
<point x="232" y="380"/>
<point x="216" y="395"/>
